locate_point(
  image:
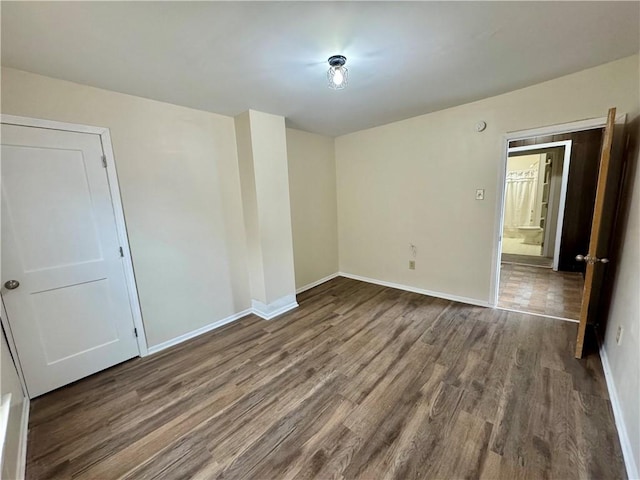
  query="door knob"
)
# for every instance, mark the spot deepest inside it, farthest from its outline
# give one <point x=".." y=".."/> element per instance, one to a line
<point x="11" y="284"/>
<point x="591" y="260"/>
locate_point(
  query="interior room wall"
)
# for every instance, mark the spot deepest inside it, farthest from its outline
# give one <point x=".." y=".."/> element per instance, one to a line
<point x="269" y="143"/>
<point x="414" y="181"/>
<point x="179" y="180"/>
<point x="314" y="213"/>
<point x="250" y="206"/>
<point x="10" y="383"/>
<point x="522" y="162"/>
<point x="622" y="307"/>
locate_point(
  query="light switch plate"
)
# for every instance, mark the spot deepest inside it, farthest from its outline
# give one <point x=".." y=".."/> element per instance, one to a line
<point x="480" y="194"/>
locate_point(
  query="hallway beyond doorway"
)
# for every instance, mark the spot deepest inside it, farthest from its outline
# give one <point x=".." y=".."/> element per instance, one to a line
<point x="540" y="290"/>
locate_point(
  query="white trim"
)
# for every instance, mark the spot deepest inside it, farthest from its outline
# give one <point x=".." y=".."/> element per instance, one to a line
<point x="207" y="328"/>
<point x="12" y="348"/>
<point x="311" y="285"/>
<point x="266" y="312"/>
<point x="579" y="125"/>
<point x="496" y="255"/>
<point x="564" y="185"/>
<point x="121" y="227"/>
<point x="407" y="288"/>
<point x="543" y="315"/>
<point x="563" y="190"/>
<point x="540" y="146"/>
<point x="5" y="411"/>
<point x="21" y="463"/>
<point x="273" y="309"/>
<point x="623" y="435"/>
<point x="114" y="189"/>
<point x="22" y="446"/>
<point x="50" y="124"/>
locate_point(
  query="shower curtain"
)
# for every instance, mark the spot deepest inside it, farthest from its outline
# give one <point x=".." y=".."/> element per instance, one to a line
<point x="520" y="199"/>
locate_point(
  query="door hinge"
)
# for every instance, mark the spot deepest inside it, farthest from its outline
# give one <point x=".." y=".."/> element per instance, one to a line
<point x="121" y="252"/>
<point x="104" y="161"/>
<point x="135" y="332"/>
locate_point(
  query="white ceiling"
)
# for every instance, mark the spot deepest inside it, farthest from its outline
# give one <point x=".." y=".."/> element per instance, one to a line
<point x="404" y="59"/>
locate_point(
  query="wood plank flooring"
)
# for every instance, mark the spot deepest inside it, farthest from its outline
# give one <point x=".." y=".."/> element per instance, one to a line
<point x="360" y="381"/>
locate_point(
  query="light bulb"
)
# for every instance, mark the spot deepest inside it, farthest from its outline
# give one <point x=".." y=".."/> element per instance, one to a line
<point x="338" y="78"/>
<point x="337" y="75"/>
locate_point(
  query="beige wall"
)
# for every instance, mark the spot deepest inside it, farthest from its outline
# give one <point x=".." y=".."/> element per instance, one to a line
<point x="180" y="186"/>
<point x="250" y="206"/>
<point x="10" y="383"/>
<point x="414" y="181"/>
<point x="314" y="214"/>
<point x="269" y="143"/>
<point x="624" y="359"/>
<point x="262" y="154"/>
<point x="523" y="162"/>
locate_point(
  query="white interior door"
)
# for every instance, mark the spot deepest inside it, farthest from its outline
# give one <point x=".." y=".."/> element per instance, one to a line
<point x="63" y="277"/>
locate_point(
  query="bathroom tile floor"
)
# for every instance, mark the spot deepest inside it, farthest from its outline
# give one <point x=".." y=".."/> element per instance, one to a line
<point x="515" y="246"/>
<point x="540" y="290"/>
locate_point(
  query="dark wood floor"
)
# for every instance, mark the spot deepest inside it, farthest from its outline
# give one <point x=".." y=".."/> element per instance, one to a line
<point x="361" y="381"/>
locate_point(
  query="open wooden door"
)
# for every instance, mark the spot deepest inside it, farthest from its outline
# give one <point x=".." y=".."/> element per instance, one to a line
<point x="601" y="229"/>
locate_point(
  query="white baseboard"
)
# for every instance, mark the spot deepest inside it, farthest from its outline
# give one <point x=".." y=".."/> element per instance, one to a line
<point x="22" y="446"/>
<point x="309" y="286"/>
<point x="199" y="331"/>
<point x="625" y="443"/>
<point x="266" y="312"/>
<point x="543" y="315"/>
<point x="273" y="309"/>
<point x="446" y="296"/>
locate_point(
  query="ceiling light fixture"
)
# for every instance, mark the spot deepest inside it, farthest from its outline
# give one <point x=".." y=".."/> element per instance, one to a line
<point x="338" y="74"/>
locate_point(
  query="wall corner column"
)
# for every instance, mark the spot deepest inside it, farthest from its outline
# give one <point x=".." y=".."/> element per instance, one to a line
<point x="264" y="181"/>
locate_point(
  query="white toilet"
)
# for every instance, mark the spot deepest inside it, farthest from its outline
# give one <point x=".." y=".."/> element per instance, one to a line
<point x="532" y="235"/>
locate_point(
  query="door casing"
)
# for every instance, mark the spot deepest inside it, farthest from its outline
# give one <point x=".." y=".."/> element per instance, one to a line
<point x="114" y="189"/>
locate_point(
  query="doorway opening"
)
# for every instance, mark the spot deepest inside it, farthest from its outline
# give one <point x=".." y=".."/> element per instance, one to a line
<point x="549" y="187"/>
<point x="535" y="196"/>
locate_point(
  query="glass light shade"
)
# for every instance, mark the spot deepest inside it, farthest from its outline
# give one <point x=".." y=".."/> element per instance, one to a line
<point x="337" y="77"/>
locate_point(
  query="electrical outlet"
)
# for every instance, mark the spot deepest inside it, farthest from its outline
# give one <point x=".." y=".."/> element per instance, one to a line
<point x="412" y="264"/>
<point x="619" y="335"/>
<point x="480" y="194"/>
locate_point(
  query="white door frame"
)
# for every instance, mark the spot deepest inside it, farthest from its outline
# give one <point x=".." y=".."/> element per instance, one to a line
<point x="12" y="348"/>
<point x="558" y="129"/>
<point x="563" y="188"/>
<point x="116" y="201"/>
